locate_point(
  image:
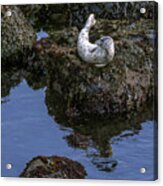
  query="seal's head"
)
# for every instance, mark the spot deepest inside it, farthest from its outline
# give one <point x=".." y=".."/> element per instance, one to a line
<point x="107" y="43"/>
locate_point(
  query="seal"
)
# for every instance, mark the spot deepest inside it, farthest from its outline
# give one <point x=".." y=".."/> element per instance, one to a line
<point x="99" y="53"/>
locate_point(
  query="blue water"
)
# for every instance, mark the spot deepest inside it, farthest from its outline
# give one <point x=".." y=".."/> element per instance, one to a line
<point x="28" y="131"/>
<point x="41" y="35"/>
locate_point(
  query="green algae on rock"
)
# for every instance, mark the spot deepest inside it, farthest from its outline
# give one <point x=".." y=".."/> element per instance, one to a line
<point x="17" y="34"/>
<point x="53" y="167"/>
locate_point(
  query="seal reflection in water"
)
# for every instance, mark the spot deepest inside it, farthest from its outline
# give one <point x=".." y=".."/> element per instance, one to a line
<point x="99" y="53"/>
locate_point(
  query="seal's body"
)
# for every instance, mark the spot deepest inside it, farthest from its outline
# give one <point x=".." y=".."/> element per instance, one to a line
<point x="101" y="52"/>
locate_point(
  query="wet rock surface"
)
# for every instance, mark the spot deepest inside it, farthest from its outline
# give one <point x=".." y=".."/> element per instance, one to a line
<point x="53" y="167"/>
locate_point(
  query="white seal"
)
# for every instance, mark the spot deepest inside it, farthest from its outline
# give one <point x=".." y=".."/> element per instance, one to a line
<point x="99" y="53"/>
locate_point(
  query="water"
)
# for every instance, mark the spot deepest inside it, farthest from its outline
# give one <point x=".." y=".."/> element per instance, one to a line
<point x="28" y="130"/>
<point x="41" y="35"/>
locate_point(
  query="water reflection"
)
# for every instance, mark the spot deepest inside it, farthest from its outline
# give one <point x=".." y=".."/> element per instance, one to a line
<point x="91" y="132"/>
<point x="41" y="35"/>
<point x="12" y="76"/>
<point x="97" y="136"/>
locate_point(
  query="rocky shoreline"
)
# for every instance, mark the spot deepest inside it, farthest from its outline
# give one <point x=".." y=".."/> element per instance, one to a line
<point x="123" y="85"/>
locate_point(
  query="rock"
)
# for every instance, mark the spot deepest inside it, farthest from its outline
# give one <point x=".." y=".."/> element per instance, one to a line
<point x="74" y="14"/>
<point x="10" y="79"/>
<point x="17" y="34"/>
<point x="53" y="167"/>
<point x="110" y="10"/>
<point x="122" y="86"/>
<point x="46" y="15"/>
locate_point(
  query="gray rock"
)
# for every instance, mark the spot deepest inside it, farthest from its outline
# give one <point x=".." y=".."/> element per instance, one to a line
<point x="17" y="33"/>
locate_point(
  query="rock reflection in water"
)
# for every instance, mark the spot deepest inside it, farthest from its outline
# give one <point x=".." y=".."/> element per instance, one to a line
<point x="13" y="76"/>
<point x="93" y="132"/>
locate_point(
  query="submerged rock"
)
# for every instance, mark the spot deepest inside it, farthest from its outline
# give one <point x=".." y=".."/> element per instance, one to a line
<point x="53" y="167"/>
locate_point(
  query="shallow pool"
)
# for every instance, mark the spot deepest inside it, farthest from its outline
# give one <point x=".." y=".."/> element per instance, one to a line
<point x="28" y="130"/>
